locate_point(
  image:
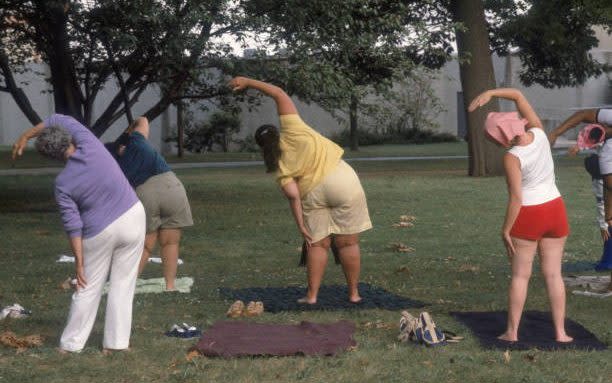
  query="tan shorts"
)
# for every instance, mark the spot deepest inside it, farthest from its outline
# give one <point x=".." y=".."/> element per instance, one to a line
<point x="165" y="202"/>
<point x="337" y="205"/>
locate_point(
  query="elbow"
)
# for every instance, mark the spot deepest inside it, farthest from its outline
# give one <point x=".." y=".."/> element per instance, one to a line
<point x="514" y="198"/>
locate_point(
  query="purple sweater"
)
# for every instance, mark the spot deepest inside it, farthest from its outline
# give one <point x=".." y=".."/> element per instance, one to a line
<point x="91" y="191"/>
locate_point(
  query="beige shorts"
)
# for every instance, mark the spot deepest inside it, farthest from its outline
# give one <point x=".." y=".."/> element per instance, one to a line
<point x="337" y="205"/>
<point x="165" y="201"/>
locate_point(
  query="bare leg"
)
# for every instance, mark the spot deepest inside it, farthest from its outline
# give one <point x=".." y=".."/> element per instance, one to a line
<point x="551" y="252"/>
<point x="522" y="263"/>
<point x="169" y="240"/>
<point x="350" y="257"/>
<point x="149" y="245"/>
<point x="316" y="262"/>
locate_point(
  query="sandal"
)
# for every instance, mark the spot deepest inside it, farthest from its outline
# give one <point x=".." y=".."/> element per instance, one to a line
<point x="235" y="309"/>
<point x="253" y="309"/>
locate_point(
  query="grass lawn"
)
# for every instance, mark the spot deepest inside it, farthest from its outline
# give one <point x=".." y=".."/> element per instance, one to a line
<point x="32" y="159"/>
<point x="244" y="236"/>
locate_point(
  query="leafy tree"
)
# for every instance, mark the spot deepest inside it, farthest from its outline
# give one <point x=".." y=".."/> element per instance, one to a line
<point x="410" y="106"/>
<point x="218" y="130"/>
<point x="174" y="45"/>
<point x="553" y="37"/>
<point x="338" y="52"/>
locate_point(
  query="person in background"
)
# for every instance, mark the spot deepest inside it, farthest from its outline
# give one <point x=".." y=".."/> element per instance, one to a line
<point x="601" y="117"/>
<point x="105" y="223"/>
<point x="161" y="192"/>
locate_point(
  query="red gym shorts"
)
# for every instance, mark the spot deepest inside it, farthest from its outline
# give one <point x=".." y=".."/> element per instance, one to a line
<point x="547" y="220"/>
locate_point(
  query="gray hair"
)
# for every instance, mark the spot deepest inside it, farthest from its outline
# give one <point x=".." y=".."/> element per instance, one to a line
<point x="53" y="142"/>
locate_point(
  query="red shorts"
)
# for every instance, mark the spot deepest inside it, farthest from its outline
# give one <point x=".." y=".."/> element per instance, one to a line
<point x="547" y="220"/>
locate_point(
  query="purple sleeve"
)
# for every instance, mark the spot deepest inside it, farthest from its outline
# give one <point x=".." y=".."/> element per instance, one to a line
<point x="70" y="214"/>
<point x="80" y="134"/>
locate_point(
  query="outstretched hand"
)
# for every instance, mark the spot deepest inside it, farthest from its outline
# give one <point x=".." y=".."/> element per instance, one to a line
<point x="238" y="83"/>
<point x="480" y="100"/>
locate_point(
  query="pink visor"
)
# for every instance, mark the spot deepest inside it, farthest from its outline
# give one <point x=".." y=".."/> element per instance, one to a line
<point x="502" y="127"/>
<point x="584" y="139"/>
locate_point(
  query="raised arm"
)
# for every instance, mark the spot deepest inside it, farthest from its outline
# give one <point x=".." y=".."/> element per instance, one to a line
<point x="586" y="115"/>
<point x="284" y="104"/>
<point x="522" y="105"/>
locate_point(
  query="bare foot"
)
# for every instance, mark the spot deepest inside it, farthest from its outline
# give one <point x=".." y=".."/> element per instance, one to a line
<point x="564" y="339"/>
<point x="355" y="299"/>
<point x="307" y="301"/>
<point x="508" y="337"/>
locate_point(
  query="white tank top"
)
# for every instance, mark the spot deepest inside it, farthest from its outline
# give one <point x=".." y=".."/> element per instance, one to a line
<point x="537" y="170"/>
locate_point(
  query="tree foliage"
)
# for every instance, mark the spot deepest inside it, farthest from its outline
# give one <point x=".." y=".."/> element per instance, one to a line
<point x="175" y="45"/>
<point x="338" y="52"/>
<point x="553" y="38"/>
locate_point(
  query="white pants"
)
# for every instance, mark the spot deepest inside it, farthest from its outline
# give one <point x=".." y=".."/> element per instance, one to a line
<point x="116" y="250"/>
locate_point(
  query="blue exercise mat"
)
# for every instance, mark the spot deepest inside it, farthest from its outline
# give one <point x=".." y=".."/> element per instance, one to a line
<point x="334" y="297"/>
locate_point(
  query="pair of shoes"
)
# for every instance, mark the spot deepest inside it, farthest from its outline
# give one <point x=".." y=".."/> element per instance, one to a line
<point x="238" y="309"/>
<point x="184" y="331"/>
<point x="16" y="311"/>
<point x="422" y="330"/>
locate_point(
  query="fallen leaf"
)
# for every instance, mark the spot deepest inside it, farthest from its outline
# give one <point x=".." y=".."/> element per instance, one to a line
<point x="400" y="247"/>
<point x="507" y="356"/>
<point x="403" y="269"/>
<point x="407" y="218"/>
<point x="530" y="357"/>
<point x="192" y="354"/>
<point x="403" y="224"/>
<point x="466" y="267"/>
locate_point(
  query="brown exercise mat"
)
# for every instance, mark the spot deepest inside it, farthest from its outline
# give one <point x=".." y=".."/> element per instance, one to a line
<point x="240" y="338"/>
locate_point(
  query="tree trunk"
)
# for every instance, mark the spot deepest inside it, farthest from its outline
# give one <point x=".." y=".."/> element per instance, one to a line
<point x="66" y="89"/>
<point x="476" y="71"/>
<point x="119" y="76"/>
<point x="180" y="127"/>
<point x="354" y="134"/>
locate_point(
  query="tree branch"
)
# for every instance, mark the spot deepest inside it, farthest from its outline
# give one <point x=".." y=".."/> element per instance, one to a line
<point x="18" y="94"/>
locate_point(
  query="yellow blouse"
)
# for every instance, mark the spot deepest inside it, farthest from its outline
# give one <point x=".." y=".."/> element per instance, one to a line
<point x="307" y="157"/>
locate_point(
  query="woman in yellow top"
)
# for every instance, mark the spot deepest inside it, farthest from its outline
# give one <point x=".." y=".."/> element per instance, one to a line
<point x="324" y="192"/>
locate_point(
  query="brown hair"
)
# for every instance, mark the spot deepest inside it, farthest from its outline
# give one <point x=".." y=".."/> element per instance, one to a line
<point x="268" y="138"/>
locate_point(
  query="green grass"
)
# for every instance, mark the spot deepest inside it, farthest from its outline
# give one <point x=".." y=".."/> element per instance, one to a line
<point x="244" y="236"/>
<point x="31" y="159"/>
